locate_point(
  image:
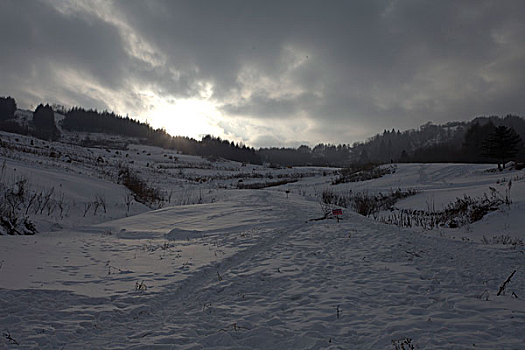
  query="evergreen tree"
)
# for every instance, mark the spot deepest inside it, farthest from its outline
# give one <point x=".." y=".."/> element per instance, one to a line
<point x="7" y="108"/>
<point x="403" y="158"/>
<point x="502" y="144"/>
<point x="363" y="157"/>
<point x="44" y="123"/>
<point x="472" y="147"/>
<point x="44" y="117"/>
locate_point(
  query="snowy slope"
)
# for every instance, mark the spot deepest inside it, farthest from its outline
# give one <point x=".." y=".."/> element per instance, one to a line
<point x="249" y="268"/>
<point x="271" y="279"/>
<point x="440" y="184"/>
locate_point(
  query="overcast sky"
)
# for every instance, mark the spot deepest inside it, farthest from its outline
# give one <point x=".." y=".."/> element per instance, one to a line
<point x="269" y="73"/>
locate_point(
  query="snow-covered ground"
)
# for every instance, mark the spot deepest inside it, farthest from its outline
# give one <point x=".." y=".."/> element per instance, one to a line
<point x="249" y="269"/>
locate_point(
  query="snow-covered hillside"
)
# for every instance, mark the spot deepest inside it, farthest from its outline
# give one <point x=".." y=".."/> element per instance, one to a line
<point x="215" y="266"/>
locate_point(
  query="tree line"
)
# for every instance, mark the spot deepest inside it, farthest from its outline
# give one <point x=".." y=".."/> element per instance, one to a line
<point x="43" y="125"/>
<point x="482" y="140"/>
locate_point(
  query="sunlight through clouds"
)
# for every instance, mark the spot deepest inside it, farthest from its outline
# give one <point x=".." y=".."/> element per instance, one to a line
<point x="285" y="72"/>
<point x="191" y="117"/>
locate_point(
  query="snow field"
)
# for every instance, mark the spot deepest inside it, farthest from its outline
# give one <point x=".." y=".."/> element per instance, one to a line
<point x="248" y="269"/>
<point x="293" y="284"/>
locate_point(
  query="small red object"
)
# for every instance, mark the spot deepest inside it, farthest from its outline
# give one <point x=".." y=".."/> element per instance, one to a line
<point x="337" y="212"/>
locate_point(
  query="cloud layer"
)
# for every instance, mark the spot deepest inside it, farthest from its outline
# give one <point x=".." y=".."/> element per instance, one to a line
<point x="277" y="72"/>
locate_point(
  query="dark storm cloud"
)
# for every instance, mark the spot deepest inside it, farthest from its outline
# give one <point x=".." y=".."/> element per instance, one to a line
<point x="38" y="41"/>
<point x="373" y="59"/>
<point x="263" y="106"/>
<point x="362" y="65"/>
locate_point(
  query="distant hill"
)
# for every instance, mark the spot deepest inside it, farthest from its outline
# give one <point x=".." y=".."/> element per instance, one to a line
<point x="449" y="142"/>
<point x="81" y="120"/>
<point x="430" y="143"/>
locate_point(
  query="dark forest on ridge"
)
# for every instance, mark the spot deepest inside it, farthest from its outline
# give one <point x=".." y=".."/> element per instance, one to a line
<point x="482" y="140"/>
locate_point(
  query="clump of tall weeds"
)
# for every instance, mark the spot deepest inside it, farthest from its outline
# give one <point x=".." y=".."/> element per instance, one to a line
<point x="143" y="193"/>
<point x="365" y="203"/>
<point x="362" y="173"/>
<point x="462" y="211"/>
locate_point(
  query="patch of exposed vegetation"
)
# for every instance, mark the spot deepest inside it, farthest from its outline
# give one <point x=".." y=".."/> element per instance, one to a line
<point x="461" y="212"/>
<point x="365" y="203"/>
<point x="259" y="185"/>
<point x="143" y="193"/>
<point x="15" y="203"/>
<point x="362" y="173"/>
<point x="503" y="239"/>
<point x="104" y="143"/>
<point x="403" y="344"/>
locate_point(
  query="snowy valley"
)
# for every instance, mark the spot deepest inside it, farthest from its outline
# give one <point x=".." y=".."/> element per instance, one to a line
<point x="212" y="253"/>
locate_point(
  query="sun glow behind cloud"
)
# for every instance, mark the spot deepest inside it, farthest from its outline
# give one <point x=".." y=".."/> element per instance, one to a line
<point x="356" y="69"/>
<point x="191" y="117"/>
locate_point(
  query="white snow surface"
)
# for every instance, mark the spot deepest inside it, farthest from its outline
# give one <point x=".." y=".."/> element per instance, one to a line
<point x="248" y="269"/>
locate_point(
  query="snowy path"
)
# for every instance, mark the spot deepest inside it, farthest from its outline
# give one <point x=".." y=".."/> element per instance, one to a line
<point x="286" y="283"/>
